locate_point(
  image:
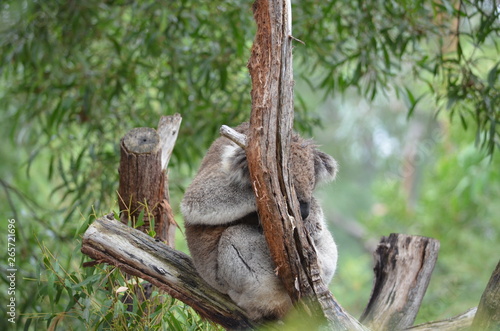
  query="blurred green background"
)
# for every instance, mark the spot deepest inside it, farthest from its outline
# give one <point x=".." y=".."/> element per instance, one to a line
<point x="404" y="94"/>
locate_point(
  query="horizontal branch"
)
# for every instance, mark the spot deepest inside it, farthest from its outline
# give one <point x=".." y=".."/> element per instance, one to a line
<point x="460" y="322"/>
<point x="108" y="240"/>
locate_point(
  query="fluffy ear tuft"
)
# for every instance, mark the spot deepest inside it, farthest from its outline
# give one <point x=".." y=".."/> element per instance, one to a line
<point x="234" y="163"/>
<point x="325" y="167"/>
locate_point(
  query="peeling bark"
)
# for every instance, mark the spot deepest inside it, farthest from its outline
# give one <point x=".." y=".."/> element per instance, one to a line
<point x="271" y="123"/>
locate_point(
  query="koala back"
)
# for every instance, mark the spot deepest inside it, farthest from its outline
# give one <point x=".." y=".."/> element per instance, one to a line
<point x="221" y="192"/>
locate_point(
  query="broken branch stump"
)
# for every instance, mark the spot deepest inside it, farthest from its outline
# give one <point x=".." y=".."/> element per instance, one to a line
<point x="143" y="188"/>
<point x="403" y="268"/>
<point x="168" y="130"/>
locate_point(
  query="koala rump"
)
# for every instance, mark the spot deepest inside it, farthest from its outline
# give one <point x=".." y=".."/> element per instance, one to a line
<point x="223" y="230"/>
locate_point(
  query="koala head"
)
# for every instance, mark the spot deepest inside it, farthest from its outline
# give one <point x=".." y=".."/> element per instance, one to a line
<point x="308" y="167"/>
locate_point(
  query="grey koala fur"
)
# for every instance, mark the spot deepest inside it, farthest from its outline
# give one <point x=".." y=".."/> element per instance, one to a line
<point x="223" y="231"/>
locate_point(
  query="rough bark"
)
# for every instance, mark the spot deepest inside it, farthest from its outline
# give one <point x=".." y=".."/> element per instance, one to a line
<point x="271" y="89"/>
<point x="271" y="123"/>
<point x="143" y="186"/>
<point x="488" y="312"/>
<point x="403" y="267"/>
<point x="110" y="241"/>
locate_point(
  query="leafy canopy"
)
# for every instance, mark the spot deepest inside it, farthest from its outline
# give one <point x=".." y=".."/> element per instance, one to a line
<point x="75" y="76"/>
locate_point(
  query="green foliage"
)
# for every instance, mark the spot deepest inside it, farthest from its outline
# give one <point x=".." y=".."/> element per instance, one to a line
<point x="75" y="76"/>
<point x="89" y="72"/>
<point x="449" y="46"/>
<point x="445" y="189"/>
<point x="103" y="298"/>
<point x="457" y="206"/>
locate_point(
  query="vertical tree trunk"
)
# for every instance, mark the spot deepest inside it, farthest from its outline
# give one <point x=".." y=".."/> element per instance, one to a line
<point x="271" y="125"/>
<point x="269" y="138"/>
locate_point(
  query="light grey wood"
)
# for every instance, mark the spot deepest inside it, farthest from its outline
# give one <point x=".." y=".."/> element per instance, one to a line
<point x="168" y="130"/>
<point x="403" y="267"/>
<point x="460" y="322"/>
<point x="236" y="137"/>
<point x="110" y="241"/>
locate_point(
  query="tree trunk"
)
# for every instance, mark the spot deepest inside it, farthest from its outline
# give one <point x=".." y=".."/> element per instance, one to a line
<point x="271" y="123"/>
<point x="270" y="69"/>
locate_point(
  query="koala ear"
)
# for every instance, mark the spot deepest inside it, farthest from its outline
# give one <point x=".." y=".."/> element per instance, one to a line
<point x="325" y="167"/>
<point x="234" y="163"/>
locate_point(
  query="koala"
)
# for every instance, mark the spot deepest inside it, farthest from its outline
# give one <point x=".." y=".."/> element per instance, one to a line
<point x="223" y="230"/>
